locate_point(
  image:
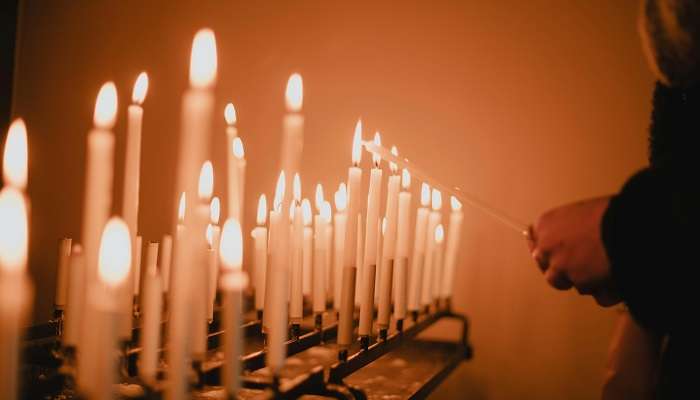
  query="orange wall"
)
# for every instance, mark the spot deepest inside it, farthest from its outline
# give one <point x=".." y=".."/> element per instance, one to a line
<point x="526" y="104"/>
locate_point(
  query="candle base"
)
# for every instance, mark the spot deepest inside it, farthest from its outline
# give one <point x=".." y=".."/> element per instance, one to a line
<point x="343" y="355"/>
<point x="197" y="367"/>
<point x="276" y="383"/>
<point x="426" y="309"/>
<point x="383" y="334"/>
<point x="399" y="325"/>
<point x="296" y="331"/>
<point x="448" y="304"/>
<point x="414" y="315"/>
<point x="318" y="322"/>
<point x="260" y="315"/>
<point x="364" y="342"/>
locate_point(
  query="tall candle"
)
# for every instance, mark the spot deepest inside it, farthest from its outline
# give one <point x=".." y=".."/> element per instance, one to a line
<point x="197" y="106"/>
<point x="320" y="248"/>
<point x="232" y="176"/>
<point x="136" y="264"/>
<point x="152" y="308"/>
<point x="76" y="298"/>
<point x="347" y="295"/>
<point x="213" y="236"/>
<point x="307" y="251"/>
<point x="453" y="238"/>
<point x="233" y="282"/>
<point x="200" y="278"/>
<point x="389" y="246"/>
<point x="270" y="301"/>
<point x="166" y="250"/>
<point x="381" y="228"/>
<point x="438" y="261"/>
<point x="429" y="267"/>
<point x="339" y="224"/>
<point x="259" y="235"/>
<point x="238" y="178"/>
<point x="296" y="305"/>
<point x="328" y="246"/>
<point x="402" y="239"/>
<point x="293" y="131"/>
<point x="61" y="297"/>
<point x="415" y="286"/>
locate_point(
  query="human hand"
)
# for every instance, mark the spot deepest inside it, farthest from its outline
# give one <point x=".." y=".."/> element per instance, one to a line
<point x="566" y="244"/>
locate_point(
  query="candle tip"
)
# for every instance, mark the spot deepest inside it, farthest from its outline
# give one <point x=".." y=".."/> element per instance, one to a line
<point x="230" y="114"/>
<point x="13" y="230"/>
<point x="318" y="198"/>
<point x="357" y="143"/>
<point x="206" y="181"/>
<point x="114" y="259"/>
<point x="296" y="187"/>
<point x="405" y="179"/>
<point x="237" y="148"/>
<point x="262" y="210"/>
<point x="203" y="59"/>
<point x="424" y="194"/>
<point x="231" y="245"/>
<point x="455" y="203"/>
<point x="436" y="200"/>
<point x="341" y="198"/>
<point x="106" y="106"/>
<point x="14" y="160"/>
<point x="182" y="206"/>
<point x="138" y="95"/>
<point x="279" y="191"/>
<point x="376" y="158"/>
<point x="392" y="165"/>
<point x="215" y="210"/>
<point x="294" y="95"/>
<point x="306" y="211"/>
<point x="439" y="233"/>
<point x="325" y="211"/>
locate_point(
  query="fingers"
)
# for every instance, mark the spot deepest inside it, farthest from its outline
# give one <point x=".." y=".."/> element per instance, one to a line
<point x="557" y="278"/>
<point x="541" y="258"/>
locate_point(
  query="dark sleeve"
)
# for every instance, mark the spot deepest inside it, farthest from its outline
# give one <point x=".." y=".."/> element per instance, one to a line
<point x="649" y="233"/>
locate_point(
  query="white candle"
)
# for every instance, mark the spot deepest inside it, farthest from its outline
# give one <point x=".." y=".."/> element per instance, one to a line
<point x="232" y="175"/>
<point x="402" y="239"/>
<point x="415" y="286"/>
<point x="308" y="246"/>
<point x="389" y="247"/>
<point x="64" y="247"/>
<point x="296" y="305"/>
<point x="76" y="298"/>
<point x="259" y="235"/>
<point x="200" y="277"/>
<point x="320" y="249"/>
<point x="166" y="250"/>
<point x="233" y="282"/>
<point x="213" y="235"/>
<point x="339" y="224"/>
<point x="347" y="296"/>
<point x="136" y="264"/>
<point x="238" y="175"/>
<point x="453" y="239"/>
<point x="429" y="266"/>
<point x="152" y="308"/>
<point x="328" y="246"/>
<point x="381" y="228"/>
<point x="293" y="131"/>
<point x="437" y="262"/>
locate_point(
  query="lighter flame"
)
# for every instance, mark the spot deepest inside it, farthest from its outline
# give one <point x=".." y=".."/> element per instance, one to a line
<point x="455" y="204"/>
<point x="306" y="211"/>
<point x="325" y="211"/>
<point x="231" y="245"/>
<point x="439" y="234"/>
<point x="424" y="194"/>
<point x="341" y="198"/>
<point x="237" y="148"/>
<point x="318" y="199"/>
<point x="279" y="192"/>
<point x="262" y="210"/>
<point x="206" y="181"/>
<point x="215" y="210"/>
<point x="230" y="114"/>
<point x="13" y="230"/>
<point x="106" y="106"/>
<point x="357" y="144"/>
<point x="203" y="59"/>
<point x="296" y="187"/>
<point x="392" y="166"/>
<point x="209" y="235"/>
<point x="14" y="160"/>
<point x="376" y="158"/>
<point x="115" y="252"/>
<point x="182" y="206"/>
<point x="436" y="200"/>
<point x="294" y="96"/>
<point x="405" y="179"/>
<point x="138" y="95"/>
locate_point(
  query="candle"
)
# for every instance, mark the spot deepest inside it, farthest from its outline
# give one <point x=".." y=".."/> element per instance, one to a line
<point x="238" y="176"/>
<point x="274" y="247"/>
<point x="369" y="265"/>
<point x="179" y="238"/>
<point x="76" y="298"/>
<point x="319" y="266"/>
<point x="419" y="250"/>
<point x="453" y="237"/>
<point x="114" y="262"/>
<point x="296" y="305"/>
<point x="232" y="184"/>
<point x="151" y="307"/>
<point x="339" y="223"/>
<point x="259" y="235"/>
<point x="136" y="267"/>
<point x="293" y="130"/>
<point x="360" y="253"/>
<point x="347" y="296"/>
<point x="213" y="235"/>
<point x="195" y="135"/>
<point x="318" y="203"/>
<point x="381" y="228"/>
<point x="233" y="282"/>
<point x="328" y="247"/>
<point x="429" y="266"/>
<point x="200" y="276"/>
<point x="166" y="249"/>
<point x="401" y="255"/>
<point x="15" y="156"/>
<point x="389" y="246"/>
<point x="60" y="299"/>
<point x="308" y="245"/>
<point x="437" y="262"/>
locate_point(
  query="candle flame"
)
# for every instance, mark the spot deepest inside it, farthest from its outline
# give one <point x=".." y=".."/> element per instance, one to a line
<point x="203" y="59"/>
<point x="424" y="194"/>
<point x="392" y="165"/>
<point x="231" y="245"/>
<point x="230" y="114"/>
<point x="215" y="210"/>
<point x="296" y="187"/>
<point x="341" y="198"/>
<point x="182" y="206"/>
<point x="325" y="211"/>
<point x="436" y="200"/>
<point x="357" y="144"/>
<point x="237" y="148"/>
<point x="106" y="106"/>
<point x="306" y="211"/>
<point x="318" y="199"/>
<point x="383" y="225"/>
<point x="138" y="95"/>
<point x="206" y="181"/>
<point x="455" y="204"/>
<point x="405" y="179"/>
<point x="294" y="96"/>
<point x="209" y="235"/>
<point x="14" y="160"/>
<point x="262" y="210"/>
<point x="376" y="158"/>
<point x="279" y="192"/>
<point x="439" y="234"/>
<point x="115" y="252"/>
<point x="13" y="230"/>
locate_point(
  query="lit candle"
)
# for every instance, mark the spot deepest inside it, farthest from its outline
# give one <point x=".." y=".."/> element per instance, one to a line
<point x="64" y="247"/>
<point x="318" y="203"/>
<point x="319" y="266"/>
<point x="414" y="291"/>
<point x="339" y="223"/>
<point x="237" y="178"/>
<point x="293" y="130"/>
<point x="429" y="266"/>
<point x="453" y="236"/>
<point x="369" y="265"/>
<point x="347" y="296"/>
<point x="180" y="230"/>
<point x="231" y="165"/>
<point x="389" y="246"/>
<point x="437" y="262"/>
<point x="152" y="308"/>
<point x="76" y="298"/>
<point x="328" y="247"/>
<point x="15" y="156"/>
<point x="307" y="214"/>
<point x="402" y="240"/>
<point x="166" y="251"/>
<point x="259" y="235"/>
<point x="233" y="282"/>
<point x="213" y="235"/>
<point x="296" y="305"/>
<point x="136" y="264"/>
<point x="200" y="276"/>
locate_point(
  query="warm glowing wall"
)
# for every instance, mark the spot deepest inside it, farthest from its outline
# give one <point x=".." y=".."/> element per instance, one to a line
<point x="526" y="103"/>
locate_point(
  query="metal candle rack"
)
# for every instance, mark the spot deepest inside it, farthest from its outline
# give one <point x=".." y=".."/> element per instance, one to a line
<point x="47" y="372"/>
